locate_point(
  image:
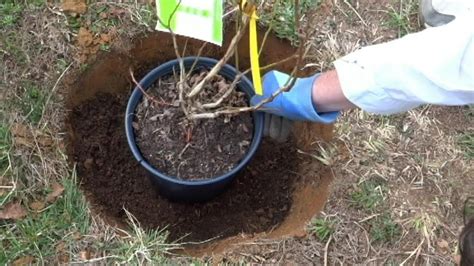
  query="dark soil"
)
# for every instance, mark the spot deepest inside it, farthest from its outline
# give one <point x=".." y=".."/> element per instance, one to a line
<point x="258" y="200"/>
<point x="197" y="149"/>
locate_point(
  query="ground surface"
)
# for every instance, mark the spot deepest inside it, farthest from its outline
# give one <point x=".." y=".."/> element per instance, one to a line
<point x="398" y="182"/>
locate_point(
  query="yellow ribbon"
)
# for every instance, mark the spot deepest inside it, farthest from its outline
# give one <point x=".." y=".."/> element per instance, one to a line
<point x="254" y="58"/>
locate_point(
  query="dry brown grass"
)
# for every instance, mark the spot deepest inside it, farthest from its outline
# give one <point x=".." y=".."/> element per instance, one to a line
<point x="400" y="181"/>
<point x="38" y="51"/>
<point x="399" y="184"/>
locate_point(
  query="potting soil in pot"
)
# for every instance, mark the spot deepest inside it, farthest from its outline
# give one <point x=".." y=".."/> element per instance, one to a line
<point x="191" y="149"/>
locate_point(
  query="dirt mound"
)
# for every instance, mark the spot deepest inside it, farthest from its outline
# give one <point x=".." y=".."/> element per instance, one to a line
<point x="277" y="194"/>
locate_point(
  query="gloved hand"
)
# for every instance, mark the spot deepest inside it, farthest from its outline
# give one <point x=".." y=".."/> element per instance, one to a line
<point x="277" y="127"/>
<point x="294" y="105"/>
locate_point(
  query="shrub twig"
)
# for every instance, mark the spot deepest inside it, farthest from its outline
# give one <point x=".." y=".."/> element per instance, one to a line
<point x="188" y="101"/>
<point x="148" y="96"/>
<point x="230" y="51"/>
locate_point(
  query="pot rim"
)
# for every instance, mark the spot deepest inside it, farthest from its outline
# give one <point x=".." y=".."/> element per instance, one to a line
<point x="227" y="71"/>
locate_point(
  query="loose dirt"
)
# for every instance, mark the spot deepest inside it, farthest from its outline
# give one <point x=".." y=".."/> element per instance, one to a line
<point x="259" y="199"/>
<point x="278" y="193"/>
<point x="191" y="149"/>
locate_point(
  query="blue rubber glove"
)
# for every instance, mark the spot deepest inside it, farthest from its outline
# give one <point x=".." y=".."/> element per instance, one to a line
<point x="296" y="104"/>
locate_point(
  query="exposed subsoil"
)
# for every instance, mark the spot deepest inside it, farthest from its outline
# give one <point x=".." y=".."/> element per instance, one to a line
<point x="278" y="193"/>
<point x="191" y="149"/>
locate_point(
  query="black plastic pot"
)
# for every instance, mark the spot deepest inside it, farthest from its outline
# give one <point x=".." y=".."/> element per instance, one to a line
<point x="192" y="190"/>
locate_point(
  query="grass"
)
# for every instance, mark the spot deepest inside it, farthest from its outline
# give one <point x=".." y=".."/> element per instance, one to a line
<point x="145" y="16"/>
<point x="12" y="43"/>
<point x="104" y="25"/>
<point x="5" y="147"/>
<point x="99" y="22"/>
<point x="470" y="111"/>
<point x="384" y="229"/>
<point x="38" y="234"/>
<point x="468" y="210"/>
<point x="10" y="11"/>
<point x="323" y="228"/>
<point x="368" y="195"/>
<point x="466" y="143"/>
<point x="282" y="19"/>
<point x="61" y="230"/>
<point x="376" y="147"/>
<point x="325" y="153"/>
<point x="200" y="263"/>
<point x="74" y="23"/>
<point x="419" y="223"/>
<point x="139" y="246"/>
<point x="32" y="103"/>
<point x="5" y="162"/>
<point x="401" y="19"/>
<point x="65" y="224"/>
<point x="61" y="65"/>
<point x="105" y="47"/>
<point x="55" y="232"/>
<point x="9" y="14"/>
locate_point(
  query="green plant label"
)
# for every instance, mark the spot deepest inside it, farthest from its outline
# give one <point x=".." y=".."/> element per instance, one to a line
<point x="199" y="19"/>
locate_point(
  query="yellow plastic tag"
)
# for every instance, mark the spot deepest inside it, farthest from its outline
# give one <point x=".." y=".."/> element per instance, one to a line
<point x="254" y="58"/>
<point x="257" y="81"/>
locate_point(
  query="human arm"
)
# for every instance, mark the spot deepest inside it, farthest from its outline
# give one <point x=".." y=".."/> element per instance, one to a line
<point x="327" y="93"/>
<point x="435" y="66"/>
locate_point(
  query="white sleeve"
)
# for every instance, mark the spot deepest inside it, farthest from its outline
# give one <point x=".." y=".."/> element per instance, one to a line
<point x="434" y="66"/>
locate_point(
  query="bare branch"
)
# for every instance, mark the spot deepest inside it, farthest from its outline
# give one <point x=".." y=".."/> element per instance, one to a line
<point x="185" y="47"/>
<point x="262" y="45"/>
<point x="181" y="84"/>
<point x="222" y="61"/>
<point x="270" y="28"/>
<point x="284" y="60"/>
<point x="212" y="115"/>
<point x="239" y="77"/>
<point x="197" y="59"/>
<point x="226" y="94"/>
<point x="186" y="95"/>
<point x="148" y="96"/>
<point x="230" y="111"/>
<point x="300" y="55"/>
<point x="236" y="52"/>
